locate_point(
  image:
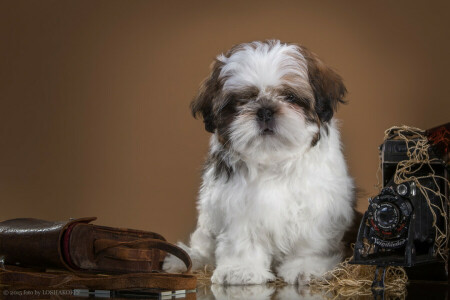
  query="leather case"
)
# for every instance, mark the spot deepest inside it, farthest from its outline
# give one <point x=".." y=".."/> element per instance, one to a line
<point x="81" y="247"/>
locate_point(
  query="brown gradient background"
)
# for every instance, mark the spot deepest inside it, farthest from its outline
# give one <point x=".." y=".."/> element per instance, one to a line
<point x="94" y="95"/>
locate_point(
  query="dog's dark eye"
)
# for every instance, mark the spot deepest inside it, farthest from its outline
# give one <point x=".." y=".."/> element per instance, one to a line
<point x="291" y="98"/>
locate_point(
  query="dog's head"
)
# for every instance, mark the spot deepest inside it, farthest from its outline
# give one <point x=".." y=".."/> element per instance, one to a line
<point x="268" y="97"/>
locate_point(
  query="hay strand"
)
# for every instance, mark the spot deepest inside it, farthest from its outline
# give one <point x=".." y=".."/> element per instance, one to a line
<point x="356" y="280"/>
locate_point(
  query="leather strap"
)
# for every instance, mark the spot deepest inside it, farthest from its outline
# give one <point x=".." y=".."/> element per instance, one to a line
<point x="133" y="250"/>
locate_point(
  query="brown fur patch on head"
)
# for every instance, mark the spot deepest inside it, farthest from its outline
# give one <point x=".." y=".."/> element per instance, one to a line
<point x="209" y="92"/>
<point x="244" y="95"/>
<point x="327" y="86"/>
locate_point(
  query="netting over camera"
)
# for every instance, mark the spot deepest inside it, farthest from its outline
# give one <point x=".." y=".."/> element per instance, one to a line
<point x="419" y="155"/>
<point x="347" y="279"/>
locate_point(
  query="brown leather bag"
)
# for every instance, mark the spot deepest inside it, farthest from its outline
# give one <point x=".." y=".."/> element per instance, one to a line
<point x="127" y="258"/>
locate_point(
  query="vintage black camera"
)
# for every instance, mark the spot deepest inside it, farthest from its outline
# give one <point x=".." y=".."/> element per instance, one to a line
<point x="404" y="224"/>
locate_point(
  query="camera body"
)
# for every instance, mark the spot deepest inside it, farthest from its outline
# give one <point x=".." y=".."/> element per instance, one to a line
<point x="400" y="225"/>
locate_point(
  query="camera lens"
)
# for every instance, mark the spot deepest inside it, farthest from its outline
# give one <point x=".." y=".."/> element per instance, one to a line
<point x="387" y="216"/>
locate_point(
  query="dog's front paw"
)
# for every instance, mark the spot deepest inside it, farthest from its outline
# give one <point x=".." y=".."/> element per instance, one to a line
<point x="240" y="275"/>
<point x="292" y="274"/>
<point x="173" y="264"/>
<point x="301" y="270"/>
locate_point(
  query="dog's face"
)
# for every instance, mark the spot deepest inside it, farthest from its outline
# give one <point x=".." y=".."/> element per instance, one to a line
<point x="268" y="99"/>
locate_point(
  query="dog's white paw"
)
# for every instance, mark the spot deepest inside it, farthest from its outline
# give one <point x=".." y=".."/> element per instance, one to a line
<point x="296" y="277"/>
<point x="173" y="264"/>
<point x="240" y="275"/>
<point x="292" y="274"/>
<point x="301" y="270"/>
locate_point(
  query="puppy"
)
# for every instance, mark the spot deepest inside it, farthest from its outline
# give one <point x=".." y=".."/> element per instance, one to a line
<point x="276" y="196"/>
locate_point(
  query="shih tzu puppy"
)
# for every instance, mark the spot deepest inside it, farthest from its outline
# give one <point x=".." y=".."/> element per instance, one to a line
<point x="276" y="195"/>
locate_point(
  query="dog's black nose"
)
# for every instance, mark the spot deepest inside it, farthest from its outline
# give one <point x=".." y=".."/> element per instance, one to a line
<point x="264" y="114"/>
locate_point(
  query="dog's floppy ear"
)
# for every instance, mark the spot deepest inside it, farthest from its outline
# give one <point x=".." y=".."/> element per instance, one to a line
<point x="327" y="85"/>
<point x="203" y="103"/>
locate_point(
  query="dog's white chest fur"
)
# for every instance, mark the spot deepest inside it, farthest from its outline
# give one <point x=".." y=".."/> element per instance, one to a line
<point x="265" y="199"/>
<point x="267" y="208"/>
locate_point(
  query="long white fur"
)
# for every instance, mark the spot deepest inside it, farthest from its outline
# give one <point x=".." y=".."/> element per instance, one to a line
<point x="262" y="65"/>
<point x="285" y="208"/>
